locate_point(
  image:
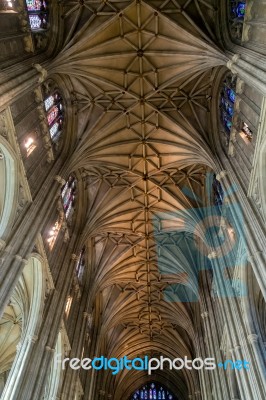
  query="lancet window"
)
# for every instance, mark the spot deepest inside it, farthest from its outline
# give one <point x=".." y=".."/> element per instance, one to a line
<point x="53" y="233"/>
<point x="152" y="391"/>
<point x="218" y="193"/>
<point x="38" y="14"/>
<point x="80" y="267"/>
<point x="237" y="11"/>
<point x="54" y="112"/>
<point x="227" y="103"/>
<point x="68" y="195"/>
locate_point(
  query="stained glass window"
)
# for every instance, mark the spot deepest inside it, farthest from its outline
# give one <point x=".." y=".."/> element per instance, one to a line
<point x="152" y="391"/>
<point x="81" y="265"/>
<point x="53" y="233"/>
<point x="54" y="113"/>
<point x="38" y="15"/>
<point x="49" y="102"/>
<point x="68" y="195"/>
<point x="54" y="130"/>
<point x="237" y="11"/>
<point x="227" y="102"/>
<point x="247" y="131"/>
<point x="34" y="5"/>
<point x="218" y="193"/>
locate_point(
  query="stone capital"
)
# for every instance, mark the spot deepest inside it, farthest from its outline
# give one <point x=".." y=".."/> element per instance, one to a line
<point x="60" y="180"/>
<point x="204" y="315"/>
<point x="221" y="175"/>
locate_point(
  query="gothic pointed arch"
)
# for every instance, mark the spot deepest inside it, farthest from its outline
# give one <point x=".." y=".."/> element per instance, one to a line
<point x="9" y="187"/>
<point x="20" y="325"/>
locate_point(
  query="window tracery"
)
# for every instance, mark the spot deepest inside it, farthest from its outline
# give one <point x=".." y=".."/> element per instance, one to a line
<point x="232" y="119"/>
<point x="152" y="391"/>
<point x="38" y="14"/>
<point x="53" y="106"/>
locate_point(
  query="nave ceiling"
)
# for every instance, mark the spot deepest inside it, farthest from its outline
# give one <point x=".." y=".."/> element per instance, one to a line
<point x="140" y="77"/>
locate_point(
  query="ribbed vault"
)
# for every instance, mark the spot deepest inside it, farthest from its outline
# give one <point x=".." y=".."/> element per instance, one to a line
<point x="141" y="76"/>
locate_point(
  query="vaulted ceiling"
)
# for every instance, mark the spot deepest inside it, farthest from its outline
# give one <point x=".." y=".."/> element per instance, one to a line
<point x="140" y="78"/>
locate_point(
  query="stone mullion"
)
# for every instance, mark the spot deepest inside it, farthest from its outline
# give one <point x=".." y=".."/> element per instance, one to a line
<point x="40" y="359"/>
<point x="20" y="245"/>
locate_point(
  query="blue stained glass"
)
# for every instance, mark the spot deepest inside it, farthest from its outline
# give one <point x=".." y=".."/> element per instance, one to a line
<point x="152" y="391"/>
<point x="238" y="9"/>
<point x="231" y="95"/>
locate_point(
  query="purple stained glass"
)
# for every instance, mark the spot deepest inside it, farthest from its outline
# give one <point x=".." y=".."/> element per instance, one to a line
<point x="34" y="5"/>
<point x="53" y="113"/>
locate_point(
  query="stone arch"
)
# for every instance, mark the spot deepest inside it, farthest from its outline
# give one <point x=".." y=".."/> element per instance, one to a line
<point x="20" y="325"/>
<point x="9" y="186"/>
